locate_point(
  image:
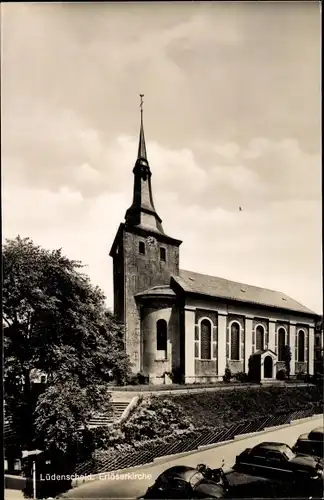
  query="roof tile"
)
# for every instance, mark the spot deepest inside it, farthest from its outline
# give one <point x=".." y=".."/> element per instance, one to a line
<point x="213" y="286"/>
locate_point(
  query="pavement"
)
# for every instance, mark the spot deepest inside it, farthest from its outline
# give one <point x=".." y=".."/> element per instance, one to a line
<point x="136" y="481"/>
<point x="14" y="495"/>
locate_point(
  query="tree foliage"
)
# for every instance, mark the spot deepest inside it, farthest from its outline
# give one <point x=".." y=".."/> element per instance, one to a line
<point x="155" y="417"/>
<point x="55" y="322"/>
<point x="287" y="359"/>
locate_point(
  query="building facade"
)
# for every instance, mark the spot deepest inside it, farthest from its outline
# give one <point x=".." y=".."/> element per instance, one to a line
<point x="191" y="324"/>
<point x="318" y="346"/>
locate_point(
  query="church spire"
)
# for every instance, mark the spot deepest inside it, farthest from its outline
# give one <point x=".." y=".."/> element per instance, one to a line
<point x="142" y="211"/>
<point x="141" y="155"/>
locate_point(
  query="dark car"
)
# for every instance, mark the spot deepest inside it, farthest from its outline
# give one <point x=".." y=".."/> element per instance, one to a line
<point x="278" y="461"/>
<point x="187" y="482"/>
<point x="311" y="443"/>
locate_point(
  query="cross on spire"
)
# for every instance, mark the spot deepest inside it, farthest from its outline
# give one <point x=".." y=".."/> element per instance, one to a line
<point x="141" y="105"/>
<point x="141" y="146"/>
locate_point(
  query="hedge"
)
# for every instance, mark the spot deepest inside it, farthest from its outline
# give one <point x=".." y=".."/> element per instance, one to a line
<point x="219" y="408"/>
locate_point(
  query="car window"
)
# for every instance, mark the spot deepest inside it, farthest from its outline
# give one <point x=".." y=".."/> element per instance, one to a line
<point x="316" y="436"/>
<point x="276" y="456"/>
<point x="288" y="453"/>
<point x="303" y="446"/>
<point x="259" y="452"/>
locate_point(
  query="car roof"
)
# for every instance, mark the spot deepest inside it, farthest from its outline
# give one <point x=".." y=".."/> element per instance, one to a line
<point x="271" y="446"/>
<point x="318" y="429"/>
<point x="180" y="471"/>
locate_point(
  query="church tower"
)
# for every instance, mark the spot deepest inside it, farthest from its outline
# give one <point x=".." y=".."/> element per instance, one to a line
<point x="143" y="255"/>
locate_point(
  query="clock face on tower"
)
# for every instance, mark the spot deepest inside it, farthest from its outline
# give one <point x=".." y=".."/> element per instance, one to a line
<point x="151" y="241"/>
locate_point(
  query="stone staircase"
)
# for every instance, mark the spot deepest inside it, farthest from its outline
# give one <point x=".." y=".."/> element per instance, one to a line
<point x="104" y="419"/>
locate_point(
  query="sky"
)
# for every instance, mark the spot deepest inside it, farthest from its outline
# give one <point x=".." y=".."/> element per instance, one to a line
<point x="231" y="115"/>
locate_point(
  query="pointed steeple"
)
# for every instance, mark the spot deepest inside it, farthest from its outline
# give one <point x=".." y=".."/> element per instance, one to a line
<point x="141" y="155"/>
<point x="142" y="211"/>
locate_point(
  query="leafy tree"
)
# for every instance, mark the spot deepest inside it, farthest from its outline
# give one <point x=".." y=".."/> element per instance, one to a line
<point x="55" y="322"/>
<point x="287" y="359"/>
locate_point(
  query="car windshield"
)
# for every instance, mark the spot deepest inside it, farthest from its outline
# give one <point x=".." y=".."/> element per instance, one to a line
<point x="289" y="453"/>
<point x="316" y="435"/>
<point x="195" y="479"/>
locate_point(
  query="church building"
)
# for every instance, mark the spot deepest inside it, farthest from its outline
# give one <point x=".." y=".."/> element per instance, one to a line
<point x="190" y="324"/>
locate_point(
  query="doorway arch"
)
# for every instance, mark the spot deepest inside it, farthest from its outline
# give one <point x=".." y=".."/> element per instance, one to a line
<point x="268" y="367"/>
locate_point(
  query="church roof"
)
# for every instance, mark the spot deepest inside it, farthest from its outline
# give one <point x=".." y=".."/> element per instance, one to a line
<point x="161" y="291"/>
<point x="213" y="286"/>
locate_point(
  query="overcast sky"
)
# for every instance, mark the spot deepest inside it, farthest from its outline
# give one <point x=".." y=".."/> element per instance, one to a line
<point x="232" y="118"/>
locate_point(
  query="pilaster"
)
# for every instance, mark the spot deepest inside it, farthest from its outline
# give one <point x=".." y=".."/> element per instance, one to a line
<point x="248" y="342"/>
<point x="221" y="348"/>
<point x="189" y="317"/>
<point x="292" y="345"/>
<point x="311" y="335"/>
<point x="272" y="335"/>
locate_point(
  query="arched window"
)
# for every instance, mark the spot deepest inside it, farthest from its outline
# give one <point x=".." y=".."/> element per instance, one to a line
<point x="205" y="339"/>
<point x="141" y="247"/>
<point x="161" y="335"/>
<point x="259" y="338"/>
<point x="235" y="341"/>
<point x="162" y="254"/>
<point x="301" y="345"/>
<point x="281" y="343"/>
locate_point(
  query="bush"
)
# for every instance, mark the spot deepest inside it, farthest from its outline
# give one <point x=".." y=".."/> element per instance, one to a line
<point x="176" y="376"/>
<point x="138" y="379"/>
<point x="281" y="375"/>
<point x="300" y="375"/>
<point x="155" y="417"/>
<point x="107" y="437"/>
<point x="241" y="377"/>
<point x="225" y="407"/>
<point x="228" y="375"/>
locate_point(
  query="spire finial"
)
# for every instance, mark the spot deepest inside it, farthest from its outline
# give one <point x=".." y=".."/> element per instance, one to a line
<point x="141" y="147"/>
<point x="141" y="105"/>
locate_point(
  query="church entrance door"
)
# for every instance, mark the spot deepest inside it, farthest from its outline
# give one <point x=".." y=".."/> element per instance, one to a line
<point x="268" y="367"/>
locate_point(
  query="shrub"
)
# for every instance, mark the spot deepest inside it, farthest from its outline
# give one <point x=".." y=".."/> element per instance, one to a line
<point x="313" y="379"/>
<point x="241" y="377"/>
<point x="300" y="375"/>
<point x="177" y="376"/>
<point x="224" y="407"/>
<point x="138" y="379"/>
<point x="107" y="437"/>
<point x="281" y="374"/>
<point x="227" y="375"/>
<point x="155" y="417"/>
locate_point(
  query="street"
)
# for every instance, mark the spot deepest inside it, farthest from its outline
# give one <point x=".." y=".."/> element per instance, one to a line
<point x="134" y="486"/>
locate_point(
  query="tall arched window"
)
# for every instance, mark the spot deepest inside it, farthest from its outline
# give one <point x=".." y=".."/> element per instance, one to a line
<point x="161" y="336"/>
<point x="301" y="345"/>
<point x="235" y="341"/>
<point x="205" y="339"/>
<point x="259" y="338"/>
<point x="281" y="343"/>
<point x="141" y="247"/>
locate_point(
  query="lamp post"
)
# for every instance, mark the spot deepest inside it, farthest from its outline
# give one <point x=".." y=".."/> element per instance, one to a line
<point x="34" y="454"/>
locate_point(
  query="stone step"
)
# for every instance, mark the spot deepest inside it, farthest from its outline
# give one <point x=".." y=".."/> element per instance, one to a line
<point x="103" y="419"/>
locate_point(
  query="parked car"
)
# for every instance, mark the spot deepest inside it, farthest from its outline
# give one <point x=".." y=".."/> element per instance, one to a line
<point x="278" y="461"/>
<point x="311" y="443"/>
<point x="203" y="482"/>
<point x="188" y="482"/>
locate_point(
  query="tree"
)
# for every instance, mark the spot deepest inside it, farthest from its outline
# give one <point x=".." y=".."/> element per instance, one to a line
<point x="55" y="322"/>
<point x="287" y="359"/>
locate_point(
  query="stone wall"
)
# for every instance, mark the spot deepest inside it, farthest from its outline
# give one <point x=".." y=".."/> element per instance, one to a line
<point x="152" y="366"/>
<point x="141" y="273"/>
